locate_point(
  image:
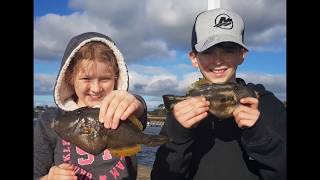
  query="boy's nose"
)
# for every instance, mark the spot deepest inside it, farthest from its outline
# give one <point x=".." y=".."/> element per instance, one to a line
<point x="218" y="57"/>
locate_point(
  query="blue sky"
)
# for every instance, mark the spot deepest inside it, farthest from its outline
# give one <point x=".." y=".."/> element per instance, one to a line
<point x="154" y="37"/>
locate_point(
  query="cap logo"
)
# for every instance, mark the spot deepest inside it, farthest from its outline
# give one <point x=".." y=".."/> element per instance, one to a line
<point x="223" y="21"/>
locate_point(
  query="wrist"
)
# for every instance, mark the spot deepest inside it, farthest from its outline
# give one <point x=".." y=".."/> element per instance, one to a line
<point x="139" y="112"/>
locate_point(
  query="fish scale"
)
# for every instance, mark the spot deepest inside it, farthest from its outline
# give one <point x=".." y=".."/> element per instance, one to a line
<point x="224" y="98"/>
<point x="82" y="128"/>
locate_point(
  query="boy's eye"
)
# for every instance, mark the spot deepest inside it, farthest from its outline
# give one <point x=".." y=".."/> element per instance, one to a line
<point x="229" y="50"/>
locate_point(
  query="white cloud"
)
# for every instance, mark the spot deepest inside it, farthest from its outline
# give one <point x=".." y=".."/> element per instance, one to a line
<point x="157" y="29"/>
<point x="272" y="82"/>
<point x="149" y="28"/>
<point x="43" y="84"/>
<point x="155" y="85"/>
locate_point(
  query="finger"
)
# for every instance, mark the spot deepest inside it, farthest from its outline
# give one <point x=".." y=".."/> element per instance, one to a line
<point x="111" y="110"/>
<point x="194" y="120"/>
<point x="252" y="102"/>
<point x="243" y="118"/>
<point x="190" y="105"/>
<point x="121" y="108"/>
<point x="55" y="170"/>
<point x="246" y="116"/>
<point x="188" y="101"/>
<point x="104" y="106"/>
<point x="125" y="104"/>
<point x="246" y="123"/>
<point x="116" y="119"/>
<point x="130" y="110"/>
<point x="118" y="113"/>
<point x="188" y="116"/>
<point x="66" y="166"/>
<point x="246" y="109"/>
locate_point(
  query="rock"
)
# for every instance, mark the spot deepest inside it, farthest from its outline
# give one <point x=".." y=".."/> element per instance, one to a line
<point x="143" y="172"/>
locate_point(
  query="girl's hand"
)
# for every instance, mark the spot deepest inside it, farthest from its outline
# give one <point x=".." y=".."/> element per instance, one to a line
<point x="118" y="105"/>
<point x="191" y="111"/>
<point x="247" y="114"/>
<point x="63" y="171"/>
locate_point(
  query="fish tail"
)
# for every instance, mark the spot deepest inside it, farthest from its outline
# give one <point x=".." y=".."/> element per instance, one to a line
<point x="156" y="140"/>
<point x="136" y="122"/>
<point x="127" y="151"/>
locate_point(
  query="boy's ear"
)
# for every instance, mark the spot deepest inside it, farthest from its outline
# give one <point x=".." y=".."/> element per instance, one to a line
<point x="243" y="55"/>
<point x="193" y="58"/>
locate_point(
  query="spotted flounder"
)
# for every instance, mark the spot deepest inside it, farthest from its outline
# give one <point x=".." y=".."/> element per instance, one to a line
<point x="82" y="128"/>
<point x="223" y="97"/>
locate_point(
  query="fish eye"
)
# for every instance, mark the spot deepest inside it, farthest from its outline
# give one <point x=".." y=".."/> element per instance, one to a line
<point x="79" y="112"/>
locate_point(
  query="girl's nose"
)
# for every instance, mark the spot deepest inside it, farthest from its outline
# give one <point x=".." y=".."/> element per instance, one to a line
<point x="95" y="86"/>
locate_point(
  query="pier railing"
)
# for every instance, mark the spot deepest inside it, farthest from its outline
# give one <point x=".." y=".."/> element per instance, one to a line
<point x="156" y="120"/>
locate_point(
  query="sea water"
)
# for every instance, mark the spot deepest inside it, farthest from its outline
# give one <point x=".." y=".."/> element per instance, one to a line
<point x="147" y="155"/>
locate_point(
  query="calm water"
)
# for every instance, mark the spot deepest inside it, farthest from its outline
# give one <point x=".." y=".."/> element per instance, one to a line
<point x="147" y="155"/>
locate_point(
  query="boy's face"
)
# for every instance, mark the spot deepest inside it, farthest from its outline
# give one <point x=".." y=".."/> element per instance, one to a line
<point x="92" y="82"/>
<point x="218" y="64"/>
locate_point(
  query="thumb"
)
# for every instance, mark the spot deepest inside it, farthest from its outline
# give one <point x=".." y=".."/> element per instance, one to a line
<point x="66" y="166"/>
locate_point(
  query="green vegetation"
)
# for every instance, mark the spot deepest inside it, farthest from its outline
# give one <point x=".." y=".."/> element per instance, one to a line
<point x="159" y="111"/>
<point x="38" y="110"/>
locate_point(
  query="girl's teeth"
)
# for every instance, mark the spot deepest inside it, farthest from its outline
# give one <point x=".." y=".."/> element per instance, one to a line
<point x="218" y="71"/>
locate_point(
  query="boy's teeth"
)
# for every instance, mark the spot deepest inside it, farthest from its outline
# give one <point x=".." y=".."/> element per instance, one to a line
<point x="216" y="70"/>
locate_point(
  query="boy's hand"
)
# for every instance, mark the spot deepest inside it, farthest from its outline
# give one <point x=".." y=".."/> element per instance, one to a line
<point x="191" y="111"/>
<point x="118" y="105"/>
<point x="247" y="114"/>
<point x="63" y="171"/>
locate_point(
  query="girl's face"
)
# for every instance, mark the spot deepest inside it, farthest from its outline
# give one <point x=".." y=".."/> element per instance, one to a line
<point x="217" y="64"/>
<point x="93" y="81"/>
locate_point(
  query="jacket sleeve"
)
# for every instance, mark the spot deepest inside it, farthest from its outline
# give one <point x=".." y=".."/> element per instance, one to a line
<point x="265" y="142"/>
<point x="143" y="118"/>
<point x="173" y="158"/>
<point x="43" y="145"/>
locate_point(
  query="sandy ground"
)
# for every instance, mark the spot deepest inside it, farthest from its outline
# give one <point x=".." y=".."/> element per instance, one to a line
<point x="143" y="172"/>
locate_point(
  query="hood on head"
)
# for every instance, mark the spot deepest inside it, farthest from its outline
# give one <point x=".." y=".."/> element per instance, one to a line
<point x="62" y="90"/>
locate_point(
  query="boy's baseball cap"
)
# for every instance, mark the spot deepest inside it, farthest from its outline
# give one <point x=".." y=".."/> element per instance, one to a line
<point x="215" y="26"/>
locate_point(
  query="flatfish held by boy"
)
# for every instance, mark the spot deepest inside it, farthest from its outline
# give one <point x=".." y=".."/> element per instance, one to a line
<point x="82" y="128"/>
<point x="223" y="97"/>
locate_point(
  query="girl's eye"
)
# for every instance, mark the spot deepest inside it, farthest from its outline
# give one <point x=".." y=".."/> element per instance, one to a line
<point x="85" y="79"/>
<point x="106" y="79"/>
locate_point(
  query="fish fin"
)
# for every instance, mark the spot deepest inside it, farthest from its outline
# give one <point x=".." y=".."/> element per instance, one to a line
<point x="157" y="140"/>
<point x="136" y="122"/>
<point x="198" y="83"/>
<point x="126" y="151"/>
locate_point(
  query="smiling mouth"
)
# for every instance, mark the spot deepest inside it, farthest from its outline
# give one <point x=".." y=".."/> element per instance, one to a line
<point x="94" y="97"/>
<point x="217" y="70"/>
